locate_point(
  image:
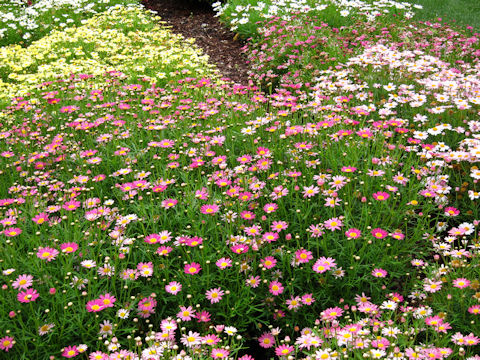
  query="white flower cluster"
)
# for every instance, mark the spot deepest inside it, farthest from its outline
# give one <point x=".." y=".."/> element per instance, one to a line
<point x="251" y="10"/>
<point x="374" y="8"/>
<point x="19" y="18"/>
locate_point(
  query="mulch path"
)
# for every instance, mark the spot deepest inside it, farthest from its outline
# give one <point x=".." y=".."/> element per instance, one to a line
<point x="195" y="19"/>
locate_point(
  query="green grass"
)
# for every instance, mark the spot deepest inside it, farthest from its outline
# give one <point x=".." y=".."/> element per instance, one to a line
<point x="462" y="12"/>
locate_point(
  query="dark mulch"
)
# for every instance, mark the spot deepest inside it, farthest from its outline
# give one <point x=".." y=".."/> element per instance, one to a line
<point x="195" y="19"/>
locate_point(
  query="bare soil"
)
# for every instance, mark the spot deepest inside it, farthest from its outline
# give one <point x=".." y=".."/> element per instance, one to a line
<point x="194" y="19"/>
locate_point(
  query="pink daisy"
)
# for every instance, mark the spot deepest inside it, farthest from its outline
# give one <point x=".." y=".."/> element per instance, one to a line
<point x="214" y="295"/>
<point x="451" y="211"/>
<point x="164" y="250"/>
<point x="308" y="299"/>
<point x="223" y="263"/>
<point x="173" y="287"/>
<point x="332" y="313"/>
<point x="107" y="300"/>
<point x="474" y="309"/>
<point x="270" y="208"/>
<point x="323" y="264"/>
<point x="266" y="341"/>
<point x="23" y="282"/>
<point x="47" y="253"/>
<point x="70" y="351"/>
<point x="203" y="316"/>
<point x="211" y="339"/>
<point x="381" y="196"/>
<point x="186" y="313"/>
<point x="284" y="350"/>
<point x="192" y="268"/>
<point x="270" y="237"/>
<point x="275" y="288"/>
<point x="27" y="296"/>
<point x="71" y="205"/>
<point x="380" y="273"/>
<point x="219" y="353"/>
<point x="333" y="224"/>
<point x="353" y="233"/>
<point x="95" y="305"/>
<point x="279" y="226"/>
<point x="348" y="169"/>
<point x="169" y="203"/>
<point x="209" y="209"/>
<point x="6" y="343"/>
<point x="239" y="248"/>
<point x="379" y="233"/>
<point x="461" y="283"/>
<point x="68" y="248"/>
<point x="303" y="256"/>
<point x="269" y="262"/>
<point x="11" y="232"/>
<point x="40" y="218"/>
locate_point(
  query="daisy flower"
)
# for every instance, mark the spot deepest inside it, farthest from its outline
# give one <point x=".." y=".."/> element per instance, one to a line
<point x="209" y="209"/>
<point x="380" y="273"/>
<point x="107" y="300"/>
<point x="332" y="313"/>
<point x="123" y="313"/>
<point x="294" y="303"/>
<point x="47" y="253"/>
<point x="461" y="283"/>
<point x="219" y="353"/>
<point x="40" y="218"/>
<point x="275" y="288"/>
<point x="70" y="352"/>
<point x="45" y="329"/>
<point x="11" y="232"/>
<point x="27" y="296"/>
<point x="223" y="263"/>
<point x="284" y="350"/>
<point x="353" y="233"/>
<point x="308" y="299"/>
<point x="333" y="224"/>
<point x="253" y="281"/>
<point x="323" y="264"/>
<point x="186" y="313"/>
<point x="381" y="196"/>
<point x="169" y="203"/>
<point x="68" y="248"/>
<point x="268" y="262"/>
<point x="105" y="328"/>
<point x="204" y="316"/>
<point x="279" y="226"/>
<point x="379" y="233"/>
<point x="23" y="282"/>
<point x="173" y="287"/>
<point x="270" y="208"/>
<point x="431" y="286"/>
<point x="474" y="309"/>
<point x="211" y="339"/>
<point x="95" y="305"/>
<point x="266" y="341"/>
<point x="192" y="268"/>
<point x="6" y="343"/>
<point x="303" y="256"/>
<point x="214" y="295"/>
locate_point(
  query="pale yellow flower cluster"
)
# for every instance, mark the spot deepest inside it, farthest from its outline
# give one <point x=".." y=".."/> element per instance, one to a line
<point x="127" y="39"/>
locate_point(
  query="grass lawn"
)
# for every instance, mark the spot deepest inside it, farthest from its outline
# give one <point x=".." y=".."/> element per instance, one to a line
<point x="463" y="12"/>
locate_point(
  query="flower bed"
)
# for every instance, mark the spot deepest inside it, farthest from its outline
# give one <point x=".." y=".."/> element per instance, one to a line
<point x="180" y="217"/>
<point x="24" y="21"/>
<point x="125" y="39"/>
<point x="243" y="16"/>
